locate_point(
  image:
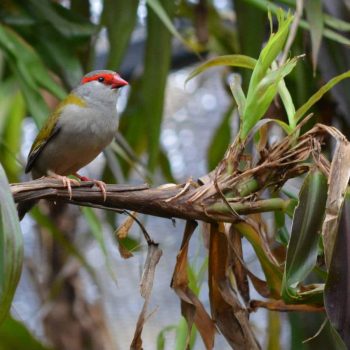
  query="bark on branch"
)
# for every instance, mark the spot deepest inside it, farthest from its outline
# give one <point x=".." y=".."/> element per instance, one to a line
<point x="169" y="201"/>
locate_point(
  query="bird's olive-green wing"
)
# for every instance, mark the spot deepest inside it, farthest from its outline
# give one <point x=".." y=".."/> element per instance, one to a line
<point x="48" y="131"/>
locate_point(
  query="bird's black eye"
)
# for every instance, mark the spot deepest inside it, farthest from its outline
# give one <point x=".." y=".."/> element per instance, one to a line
<point x="101" y="79"/>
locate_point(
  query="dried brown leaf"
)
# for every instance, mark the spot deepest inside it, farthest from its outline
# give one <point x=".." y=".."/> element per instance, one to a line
<point x="280" y="305"/>
<point x="124" y="252"/>
<point x="123" y="230"/>
<point x="191" y="308"/>
<point x="230" y="316"/>
<point x="235" y="260"/>
<point x="338" y="181"/>
<point x="260" y="286"/>
<point x="153" y="255"/>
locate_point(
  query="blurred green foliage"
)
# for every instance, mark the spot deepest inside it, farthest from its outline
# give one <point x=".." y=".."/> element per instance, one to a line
<point x="45" y="47"/>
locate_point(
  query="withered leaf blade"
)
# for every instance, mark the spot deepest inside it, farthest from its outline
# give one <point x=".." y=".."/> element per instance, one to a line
<point x="123" y="230"/>
<point x="124" y="252"/>
<point x="153" y="256"/>
<point x="338" y="181"/>
<point x="191" y="308"/>
<point x="337" y="289"/>
<point x="230" y="316"/>
<point x="236" y="262"/>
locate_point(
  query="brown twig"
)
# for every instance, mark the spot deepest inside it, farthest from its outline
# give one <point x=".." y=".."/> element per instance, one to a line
<point x="279" y="305"/>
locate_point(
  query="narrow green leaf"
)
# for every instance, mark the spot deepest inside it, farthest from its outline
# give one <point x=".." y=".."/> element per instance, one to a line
<point x="303" y="244"/>
<point x="259" y="100"/>
<point x="314" y="16"/>
<point x="96" y="228"/>
<point x="64" y="21"/>
<point x="119" y="32"/>
<point x="327" y="33"/>
<point x="300" y="113"/>
<point x="337" y="289"/>
<point x="287" y="103"/>
<point x="272" y="272"/>
<point x="154" y="79"/>
<point x="11" y="136"/>
<point x="161" y="340"/>
<point x="274" y="331"/>
<point x="14" y="335"/>
<point x="220" y="140"/>
<point x="336" y="23"/>
<point x="227" y="60"/>
<point x="30" y="71"/>
<point x="160" y="9"/>
<point x="11" y="247"/>
<point x="270" y="52"/>
<point x="237" y="92"/>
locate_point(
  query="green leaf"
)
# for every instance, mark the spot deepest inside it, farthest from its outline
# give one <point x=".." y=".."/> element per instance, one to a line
<point x="96" y="228"/>
<point x="337" y="289"/>
<point x="165" y="167"/>
<point x="336" y="23"/>
<point x="11" y="135"/>
<point x="67" y="23"/>
<point x="319" y="94"/>
<point x="161" y="340"/>
<point x="259" y="100"/>
<point x="287" y="103"/>
<point x="14" y="335"/>
<point x="182" y="335"/>
<point x="97" y="231"/>
<point x="314" y="16"/>
<point x="237" y="92"/>
<point x="271" y="270"/>
<point x="11" y="247"/>
<point x="119" y="32"/>
<point x="327" y="33"/>
<point x="154" y="78"/>
<point x="160" y="8"/>
<point x="303" y="244"/>
<point x="30" y="71"/>
<point x="270" y="52"/>
<point x="227" y="60"/>
<point x="221" y="139"/>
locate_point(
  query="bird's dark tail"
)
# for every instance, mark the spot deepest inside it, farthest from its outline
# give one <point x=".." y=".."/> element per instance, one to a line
<point x="24" y="207"/>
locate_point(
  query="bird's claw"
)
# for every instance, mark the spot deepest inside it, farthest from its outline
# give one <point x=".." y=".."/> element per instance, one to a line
<point x="100" y="184"/>
<point x="67" y="182"/>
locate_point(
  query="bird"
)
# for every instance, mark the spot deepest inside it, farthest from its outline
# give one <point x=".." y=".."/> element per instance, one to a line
<point x="81" y="126"/>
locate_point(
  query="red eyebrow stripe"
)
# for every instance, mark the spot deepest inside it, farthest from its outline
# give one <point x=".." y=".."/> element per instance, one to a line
<point x="108" y="78"/>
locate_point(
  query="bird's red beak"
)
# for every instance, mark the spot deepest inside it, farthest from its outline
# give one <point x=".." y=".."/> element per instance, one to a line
<point x="118" y="82"/>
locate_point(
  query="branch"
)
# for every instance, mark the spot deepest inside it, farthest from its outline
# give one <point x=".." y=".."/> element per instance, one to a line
<point x="169" y="201"/>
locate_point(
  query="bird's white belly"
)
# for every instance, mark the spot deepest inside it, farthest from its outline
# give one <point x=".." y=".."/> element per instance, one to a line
<point x="76" y="144"/>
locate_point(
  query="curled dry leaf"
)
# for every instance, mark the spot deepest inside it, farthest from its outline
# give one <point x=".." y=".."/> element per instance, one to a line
<point x="236" y="262"/>
<point x="191" y="308"/>
<point x="123" y="230"/>
<point x="153" y="255"/>
<point x="230" y="316"/>
<point x="124" y="252"/>
<point x="337" y="289"/>
<point x="338" y="181"/>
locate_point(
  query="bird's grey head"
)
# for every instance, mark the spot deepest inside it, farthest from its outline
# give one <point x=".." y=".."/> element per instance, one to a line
<point x="100" y="87"/>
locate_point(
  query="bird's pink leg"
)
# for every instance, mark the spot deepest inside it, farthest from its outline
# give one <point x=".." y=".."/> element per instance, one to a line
<point x="100" y="184"/>
<point x="67" y="182"/>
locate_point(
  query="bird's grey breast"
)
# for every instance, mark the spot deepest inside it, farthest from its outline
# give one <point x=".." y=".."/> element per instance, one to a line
<point x="94" y="125"/>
